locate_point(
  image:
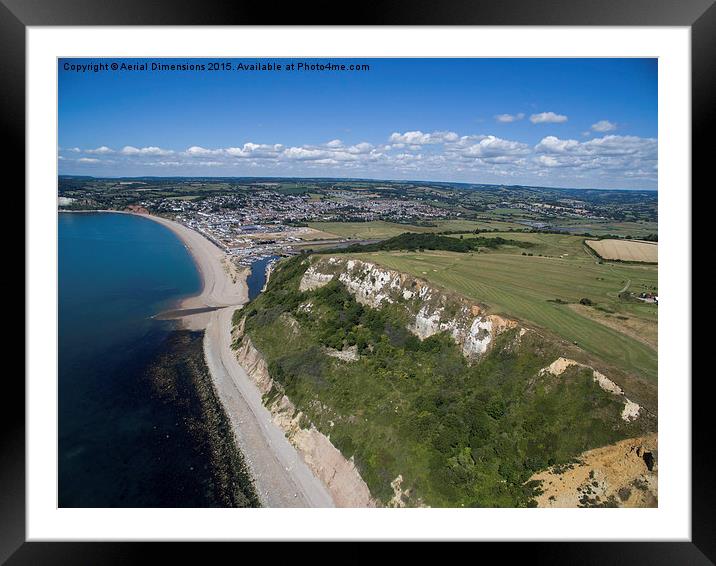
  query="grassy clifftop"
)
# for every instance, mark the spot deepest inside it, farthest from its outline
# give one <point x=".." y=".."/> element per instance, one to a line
<point x="424" y="424"/>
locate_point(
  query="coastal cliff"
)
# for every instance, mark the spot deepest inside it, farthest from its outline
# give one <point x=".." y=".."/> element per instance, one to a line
<point x="429" y="310"/>
<point x="338" y="474"/>
<point x="399" y="393"/>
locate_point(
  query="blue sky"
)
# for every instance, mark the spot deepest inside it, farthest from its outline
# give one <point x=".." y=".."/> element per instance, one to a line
<point x="552" y="122"/>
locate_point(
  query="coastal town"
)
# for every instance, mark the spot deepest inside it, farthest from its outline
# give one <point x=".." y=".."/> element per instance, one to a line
<point x="270" y="223"/>
<point x="253" y="219"/>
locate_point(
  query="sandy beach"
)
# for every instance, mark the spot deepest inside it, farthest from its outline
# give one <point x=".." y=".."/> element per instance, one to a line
<point x="223" y="283"/>
<point x="281" y="476"/>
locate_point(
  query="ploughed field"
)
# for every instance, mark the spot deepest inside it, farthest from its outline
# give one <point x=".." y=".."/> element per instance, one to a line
<point x="544" y="286"/>
<point x="625" y="250"/>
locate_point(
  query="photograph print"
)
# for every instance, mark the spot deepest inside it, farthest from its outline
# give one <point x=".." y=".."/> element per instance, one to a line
<point x="418" y="282"/>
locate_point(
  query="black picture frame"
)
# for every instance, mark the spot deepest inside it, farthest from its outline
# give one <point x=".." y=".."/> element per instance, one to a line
<point x="16" y="15"/>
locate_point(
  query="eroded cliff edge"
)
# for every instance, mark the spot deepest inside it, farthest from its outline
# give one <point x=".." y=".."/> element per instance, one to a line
<point x="338" y="474"/>
<point x="325" y="403"/>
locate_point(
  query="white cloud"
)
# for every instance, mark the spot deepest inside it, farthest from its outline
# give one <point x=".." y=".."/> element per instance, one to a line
<point x="100" y="150"/>
<point x="552" y="144"/>
<point x="548" y="118"/>
<point x="152" y="150"/>
<point x="507" y="118"/>
<point x="417" y="137"/>
<point x="548" y="160"/>
<point x="254" y="150"/>
<point x="302" y="153"/>
<point x="610" y="160"/>
<point x="197" y="150"/>
<point x="491" y="147"/>
<point x="604" y="126"/>
<point x="609" y="156"/>
<point x="362" y="147"/>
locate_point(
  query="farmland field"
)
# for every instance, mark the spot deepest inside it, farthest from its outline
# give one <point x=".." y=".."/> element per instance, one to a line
<point x="378" y="229"/>
<point x="634" y="229"/>
<point x="540" y="289"/>
<point x="625" y="250"/>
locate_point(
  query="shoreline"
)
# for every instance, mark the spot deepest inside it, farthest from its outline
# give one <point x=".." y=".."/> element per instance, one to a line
<point x="218" y="288"/>
<point x="281" y="476"/>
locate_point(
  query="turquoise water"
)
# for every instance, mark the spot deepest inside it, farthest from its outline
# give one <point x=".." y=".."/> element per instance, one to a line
<point x="118" y="444"/>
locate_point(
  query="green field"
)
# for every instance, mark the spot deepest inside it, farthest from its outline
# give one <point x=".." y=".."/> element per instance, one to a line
<point x="379" y="229"/>
<point x="634" y="229"/>
<point x="527" y="286"/>
<point x="460" y="434"/>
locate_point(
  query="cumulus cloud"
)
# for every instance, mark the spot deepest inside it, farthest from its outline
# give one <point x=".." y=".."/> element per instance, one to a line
<point x="302" y="153"/>
<point x="417" y="137"/>
<point x="491" y="147"/>
<point x="152" y="150"/>
<point x="611" y="156"/>
<point x="548" y="118"/>
<point x="507" y="118"/>
<point x="609" y="160"/>
<point x="197" y="150"/>
<point x="100" y="150"/>
<point x="363" y="147"/>
<point x="253" y="150"/>
<point x="548" y="160"/>
<point x="607" y="145"/>
<point x="604" y="126"/>
<point x="552" y="144"/>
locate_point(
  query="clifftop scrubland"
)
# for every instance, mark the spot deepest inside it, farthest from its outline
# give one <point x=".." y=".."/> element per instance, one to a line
<point x="427" y="397"/>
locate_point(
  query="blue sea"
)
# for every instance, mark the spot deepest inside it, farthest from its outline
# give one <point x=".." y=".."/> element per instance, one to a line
<point x="120" y="445"/>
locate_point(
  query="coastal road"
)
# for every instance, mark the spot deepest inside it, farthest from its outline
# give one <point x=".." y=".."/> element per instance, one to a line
<point x="281" y="476"/>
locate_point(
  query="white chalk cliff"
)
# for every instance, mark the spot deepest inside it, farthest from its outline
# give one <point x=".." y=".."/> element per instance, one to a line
<point x="430" y="310"/>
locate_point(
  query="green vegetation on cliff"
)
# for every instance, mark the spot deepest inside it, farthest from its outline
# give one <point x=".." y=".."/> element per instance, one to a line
<point x="411" y="242"/>
<point x="544" y="288"/>
<point x="460" y="434"/>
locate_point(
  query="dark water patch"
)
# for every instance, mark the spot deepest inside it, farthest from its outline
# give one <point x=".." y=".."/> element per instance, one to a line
<point x="121" y="441"/>
<point x="257" y="278"/>
<point x="181" y="380"/>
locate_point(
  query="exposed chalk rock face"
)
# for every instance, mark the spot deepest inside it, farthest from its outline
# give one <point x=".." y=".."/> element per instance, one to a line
<point x="349" y="354"/>
<point x="400" y="495"/>
<point x="313" y="279"/>
<point x="560" y="365"/>
<point x="607" y="384"/>
<point x="630" y="411"/>
<point x="371" y="285"/>
<point x="430" y="310"/>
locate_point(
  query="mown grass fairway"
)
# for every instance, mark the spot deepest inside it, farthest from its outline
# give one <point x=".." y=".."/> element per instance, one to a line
<point x="527" y="286"/>
<point x="378" y="229"/>
<point x="634" y="229"/>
